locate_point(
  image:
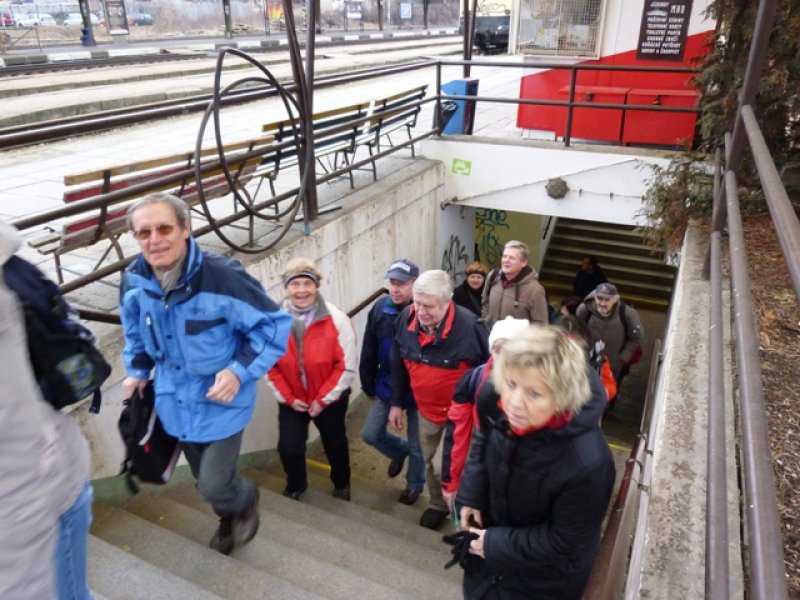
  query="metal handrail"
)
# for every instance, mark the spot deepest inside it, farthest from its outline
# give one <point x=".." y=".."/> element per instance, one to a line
<point x="607" y="579"/>
<point x="717" y="586"/>
<point x="766" y="568"/>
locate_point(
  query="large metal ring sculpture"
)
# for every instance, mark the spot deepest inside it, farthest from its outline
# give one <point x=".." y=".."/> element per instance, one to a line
<point x="241" y="196"/>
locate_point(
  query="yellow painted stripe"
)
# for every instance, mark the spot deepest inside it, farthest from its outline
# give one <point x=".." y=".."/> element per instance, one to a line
<point x="618" y="447"/>
<point x="318" y="465"/>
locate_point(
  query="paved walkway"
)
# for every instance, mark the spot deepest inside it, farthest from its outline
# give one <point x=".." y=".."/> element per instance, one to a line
<point x="31" y="178"/>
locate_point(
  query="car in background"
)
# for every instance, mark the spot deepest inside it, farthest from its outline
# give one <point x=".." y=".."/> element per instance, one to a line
<point x="141" y="18"/>
<point x="76" y="20"/>
<point x="7" y="20"/>
<point x="43" y="19"/>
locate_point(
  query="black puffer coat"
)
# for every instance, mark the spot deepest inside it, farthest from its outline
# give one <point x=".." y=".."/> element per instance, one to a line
<point x="543" y="497"/>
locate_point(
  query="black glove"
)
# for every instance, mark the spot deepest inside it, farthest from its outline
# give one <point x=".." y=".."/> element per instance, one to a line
<point x="459" y="541"/>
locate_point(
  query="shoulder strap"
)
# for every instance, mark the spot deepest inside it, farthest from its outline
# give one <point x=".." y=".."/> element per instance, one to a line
<point x="622" y="316"/>
<point x="493" y="276"/>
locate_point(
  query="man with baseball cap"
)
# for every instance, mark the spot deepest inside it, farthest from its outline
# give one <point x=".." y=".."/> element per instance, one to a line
<point x="615" y="324"/>
<point x="375" y="381"/>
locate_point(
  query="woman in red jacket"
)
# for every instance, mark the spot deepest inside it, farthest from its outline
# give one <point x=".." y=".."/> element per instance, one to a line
<point x="312" y="380"/>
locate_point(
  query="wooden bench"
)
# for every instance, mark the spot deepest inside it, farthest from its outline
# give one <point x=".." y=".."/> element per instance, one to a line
<point x="333" y="140"/>
<point x="109" y="223"/>
<point x="392" y="113"/>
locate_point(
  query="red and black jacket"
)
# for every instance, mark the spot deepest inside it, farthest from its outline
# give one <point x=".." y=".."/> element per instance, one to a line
<point x="430" y="366"/>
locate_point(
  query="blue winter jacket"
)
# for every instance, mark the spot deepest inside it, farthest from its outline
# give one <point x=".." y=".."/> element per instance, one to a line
<point x="376" y="351"/>
<point x="216" y="317"/>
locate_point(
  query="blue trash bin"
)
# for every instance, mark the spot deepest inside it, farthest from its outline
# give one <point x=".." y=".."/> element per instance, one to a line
<point x="87" y="38"/>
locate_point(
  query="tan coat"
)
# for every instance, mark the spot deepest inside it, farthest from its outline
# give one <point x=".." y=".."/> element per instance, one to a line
<point x="523" y="299"/>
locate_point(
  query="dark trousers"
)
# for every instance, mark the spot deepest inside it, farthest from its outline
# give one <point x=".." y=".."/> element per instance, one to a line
<point x="213" y="464"/>
<point x="293" y="435"/>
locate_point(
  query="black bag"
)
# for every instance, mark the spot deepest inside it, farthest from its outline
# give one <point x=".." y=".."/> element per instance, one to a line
<point x="67" y="365"/>
<point x="150" y="452"/>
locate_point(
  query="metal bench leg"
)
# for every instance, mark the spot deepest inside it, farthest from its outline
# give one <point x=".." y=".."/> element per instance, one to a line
<point x="374" y="166"/>
<point x="59" y="273"/>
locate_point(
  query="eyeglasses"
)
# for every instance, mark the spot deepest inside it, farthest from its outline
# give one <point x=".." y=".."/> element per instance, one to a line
<point x="145" y="232"/>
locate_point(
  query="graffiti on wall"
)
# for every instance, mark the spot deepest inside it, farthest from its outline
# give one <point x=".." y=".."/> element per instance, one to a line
<point x="455" y="258"/>
<point x="488" y="225"/>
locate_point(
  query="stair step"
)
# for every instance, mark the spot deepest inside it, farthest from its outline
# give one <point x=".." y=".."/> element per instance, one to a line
<point x="565" y="251"/>
<point x="557" y="290"/>
<point x="377" y="495"/>
<point x="415" y="570"/>
<point x="599" y="231"/>
<point x="590" y="244"/>
<point x="637" y="285"/>
<point x="404" y="525"/>
<point x="117" y="574"/>
<point x="566" y="269"/>
<point x="314" y="576"/>
<point x="152" y="541"/>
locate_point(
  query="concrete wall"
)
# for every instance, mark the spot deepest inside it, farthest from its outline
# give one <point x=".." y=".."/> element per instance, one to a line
<point x="397" y="217"/>
<point x="605" y="184"/>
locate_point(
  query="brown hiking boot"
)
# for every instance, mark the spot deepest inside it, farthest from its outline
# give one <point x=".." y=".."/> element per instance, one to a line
<point x="222" y="540"/>
<point x="245" y="523"/>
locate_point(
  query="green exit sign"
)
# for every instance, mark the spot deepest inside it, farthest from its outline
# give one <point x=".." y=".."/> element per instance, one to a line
<point x="462" y="167"/>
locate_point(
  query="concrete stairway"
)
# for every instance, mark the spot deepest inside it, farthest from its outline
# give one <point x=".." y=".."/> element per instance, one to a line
<point x="155" y="545"/>
<point x="642" y="277"/>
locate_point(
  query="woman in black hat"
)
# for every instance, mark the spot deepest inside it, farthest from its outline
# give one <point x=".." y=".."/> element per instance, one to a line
<point x="468" y="294"/>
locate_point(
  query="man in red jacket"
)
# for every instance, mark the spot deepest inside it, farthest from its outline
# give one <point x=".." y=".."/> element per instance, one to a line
<point x="436" y="341"/>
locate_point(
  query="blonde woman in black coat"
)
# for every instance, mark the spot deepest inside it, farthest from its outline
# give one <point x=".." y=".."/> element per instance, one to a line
<point x="540" y="474"/>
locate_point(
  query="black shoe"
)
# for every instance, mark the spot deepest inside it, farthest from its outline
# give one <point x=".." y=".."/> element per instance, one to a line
<point x="245" y="524"/>
<point x="408" y="496"/>
<point x="433" y="518"/>
<point x="294" y="494"/>
<point x="395" y="467"/>
<point x="222" y="540"/>
<point x="342" y="493"/>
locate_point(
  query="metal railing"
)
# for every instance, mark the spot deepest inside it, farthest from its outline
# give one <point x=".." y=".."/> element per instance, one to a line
<point x="763" y="556"/>
<point x="246" y="212"/>
<point x="607" y="579"/>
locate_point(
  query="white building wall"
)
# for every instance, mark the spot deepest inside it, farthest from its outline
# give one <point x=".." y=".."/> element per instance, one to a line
<point x="605" y="184"/>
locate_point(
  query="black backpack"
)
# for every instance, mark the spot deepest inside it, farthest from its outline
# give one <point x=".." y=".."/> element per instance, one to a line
<point x="67" y="365"/>
<point x="150" y="452"/>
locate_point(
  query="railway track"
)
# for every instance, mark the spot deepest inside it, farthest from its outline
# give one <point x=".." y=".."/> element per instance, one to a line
<point x="165" y="55"/>
<point x="55" y="129"/>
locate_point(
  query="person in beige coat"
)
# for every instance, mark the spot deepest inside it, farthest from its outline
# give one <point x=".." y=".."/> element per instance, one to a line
<point x="514" y="290"/>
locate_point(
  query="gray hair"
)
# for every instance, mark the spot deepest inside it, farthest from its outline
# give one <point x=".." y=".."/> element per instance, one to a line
<point x="434" y="283"/>
<point x="560" y="360"/>
<point x="521" y="246"/>
<point x="177" y="205"/>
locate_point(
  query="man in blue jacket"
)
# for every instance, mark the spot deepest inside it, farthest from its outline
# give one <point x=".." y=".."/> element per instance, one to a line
<point x="210" y="331"/>
<point x="376" y="382"/>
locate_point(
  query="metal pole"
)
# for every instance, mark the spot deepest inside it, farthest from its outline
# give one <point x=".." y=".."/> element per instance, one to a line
<point x="767" y="572"/>
<point x="226" y="12"/>
<point x="311" y="210"/>
<point x="437" y="113"/>
<point x="573" y="78"/>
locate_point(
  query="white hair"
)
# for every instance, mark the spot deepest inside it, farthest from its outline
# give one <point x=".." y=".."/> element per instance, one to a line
<point x="434" y="283"/>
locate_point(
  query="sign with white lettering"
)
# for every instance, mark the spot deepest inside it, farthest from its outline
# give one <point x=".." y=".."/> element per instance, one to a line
<point x="665" y="25"/>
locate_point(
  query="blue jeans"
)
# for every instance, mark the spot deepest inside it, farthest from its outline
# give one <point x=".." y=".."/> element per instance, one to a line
<point x="71" y="549"/>
<point x="394" y="447"/>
